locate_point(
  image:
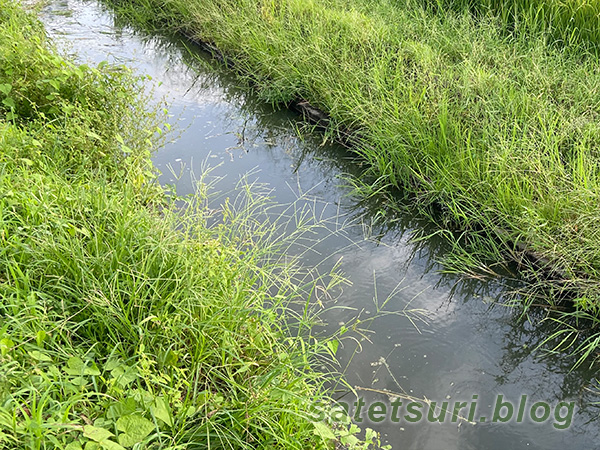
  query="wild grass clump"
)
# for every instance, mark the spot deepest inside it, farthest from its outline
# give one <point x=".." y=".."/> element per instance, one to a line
<point x="563" y="23"/>
<point x="127" y="322"/>
<point x="498" y="130"/>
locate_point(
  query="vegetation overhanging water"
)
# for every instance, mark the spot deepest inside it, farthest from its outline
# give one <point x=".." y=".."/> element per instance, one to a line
<point x="125" y="320"/>
<point x="430" y="355"/>
<point x="486" y="111"/>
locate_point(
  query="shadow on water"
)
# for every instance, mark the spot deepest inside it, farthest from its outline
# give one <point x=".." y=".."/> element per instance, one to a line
<point x="469" y="343"/>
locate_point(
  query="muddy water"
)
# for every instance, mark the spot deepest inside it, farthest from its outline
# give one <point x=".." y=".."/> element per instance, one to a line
<point x="469" y="345"/>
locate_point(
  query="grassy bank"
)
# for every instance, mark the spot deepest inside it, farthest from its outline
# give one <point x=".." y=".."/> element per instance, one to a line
<point x="560" y="22"/>
<point x="495" y="122"/>
<point x="125" y="323"/>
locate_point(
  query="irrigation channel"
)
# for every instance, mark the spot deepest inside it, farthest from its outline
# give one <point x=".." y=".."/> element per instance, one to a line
<point x="471" y="343"/>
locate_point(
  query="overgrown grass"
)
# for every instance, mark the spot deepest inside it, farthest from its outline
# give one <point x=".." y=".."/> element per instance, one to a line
<point x="493" y="124"/>
<point x="125" y="321"/>
<point x="562" y="23"/>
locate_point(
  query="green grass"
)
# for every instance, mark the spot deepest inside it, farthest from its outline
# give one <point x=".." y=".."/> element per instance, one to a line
<point x="488" y="119"/>
<point x="125" y="320"/>
<point x="561" y="22"/>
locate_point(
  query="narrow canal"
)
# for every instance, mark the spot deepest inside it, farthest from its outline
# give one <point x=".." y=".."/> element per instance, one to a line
<point x="440" y="338"/>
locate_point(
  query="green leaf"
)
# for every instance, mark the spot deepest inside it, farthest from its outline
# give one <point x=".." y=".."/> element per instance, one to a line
<point x="40" y="337"/>
<point x="9" y="102"/>
<point x="112" y="364"/>
<point x="333" y="345"/>
<point x="191" y="411"/>
<point x="93" y="135"/>
<point x="39" y="356"/>
<point x="349" y="440"/>
<point x="145" y="398"/>
<point x="161" y="411"/>
<point x="171" y="358"/>
<point x="75" y="445"/>
<point x="111" y="445"/>
<point x="79" y="382"/>
<point x="323" y="430"/>
<point x="243" y="368"/>
<point x="125" y="375"/>
<point x="202" y="398"/>
<point x="96" y="434"/>
<point x="134" y="429"/>
<point x="86" y="233"/>
<point x="76" y="366"/>
<point x="5" y="88"/>
<point x="370" y="434"/>
<point x="6" y="345"/>
<point x="122" y="408"/>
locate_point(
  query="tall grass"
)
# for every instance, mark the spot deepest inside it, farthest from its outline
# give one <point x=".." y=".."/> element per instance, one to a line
<point x="125" y="320"/>
<point x="562" y="23"/>
<point x="497" y="130"/>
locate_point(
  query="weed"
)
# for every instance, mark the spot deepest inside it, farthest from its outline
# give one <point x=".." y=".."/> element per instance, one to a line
<point x="476" y="110"/>
<point x="127" y="321"/>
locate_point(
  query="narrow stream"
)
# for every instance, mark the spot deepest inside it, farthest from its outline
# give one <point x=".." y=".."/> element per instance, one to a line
<point x="470" y="344"/>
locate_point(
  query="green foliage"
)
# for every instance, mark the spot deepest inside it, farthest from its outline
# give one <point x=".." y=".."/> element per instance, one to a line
<point x="561" y="23"/>
<point x="473" y="111"/>
<point x="42" y="91"/>
<point x="126" y="322"/>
